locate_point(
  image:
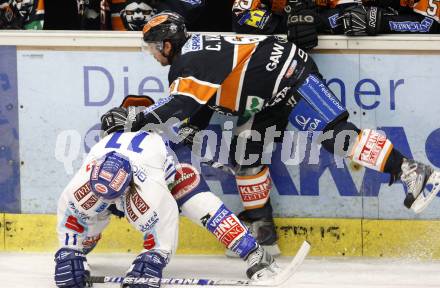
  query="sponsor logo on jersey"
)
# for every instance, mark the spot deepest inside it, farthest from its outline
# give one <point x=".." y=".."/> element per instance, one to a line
<point x="159" y="103"/>
<point x="291" y="69"/>
<point x="186" y="180"/>
<point x="372" y="148"/>
<point x="139" y="203"/>
<point x="101" y="207"/>
<point x="279" y="97"/>
<point x="100" y="188"/>
<point x="119" y="180"/>
<point x="131" y="215"/>
<point x="95" y="172"/>
<point x="275" y="57"/>
<point x="257" y="191"/>
<point x="149" y="224"/>
<point x="84" y="217"/>
<point x="106" y="175"/>
<point x="254" y="105"/>
<point x="149" y="242"/>
<point x="229" y="230"/>
<point x="82" y="191"/>
<point x="307" y="123"/>
<point x="255" y="18"/>
<point x="73" y="224"/>
<point x="139" y="172"/>
<point x="90" y="202"/>
<point x="333" y="20"/>
<point x="195" y="43"/>
<point x="408" y="26"/>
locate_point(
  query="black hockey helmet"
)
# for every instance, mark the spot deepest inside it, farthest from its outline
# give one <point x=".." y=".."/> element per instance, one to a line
<point x="166" y="25"/>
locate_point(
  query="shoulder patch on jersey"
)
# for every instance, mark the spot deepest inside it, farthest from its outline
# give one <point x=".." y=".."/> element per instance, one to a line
<point x="195" y="43"/>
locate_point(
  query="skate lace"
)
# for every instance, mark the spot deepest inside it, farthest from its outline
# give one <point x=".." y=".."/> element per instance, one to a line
<point x="409" y="176"/>
<point x="255" y="257"/>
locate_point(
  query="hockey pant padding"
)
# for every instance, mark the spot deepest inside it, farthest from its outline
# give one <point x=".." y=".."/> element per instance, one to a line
<point x="254" y="186"/>
<point x="208" y="210"/>
<point x="318" y="108"/>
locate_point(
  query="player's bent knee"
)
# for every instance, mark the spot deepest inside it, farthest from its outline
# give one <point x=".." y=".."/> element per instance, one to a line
<point x="254" y="185"/>
<point x="188" y="183"/>
<point x="200" y="207"/>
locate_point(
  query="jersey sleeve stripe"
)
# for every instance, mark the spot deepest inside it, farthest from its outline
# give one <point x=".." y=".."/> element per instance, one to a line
<point x="283" y="70"/>
<point x="201" y="91"/>
<point x="232" y="86"/>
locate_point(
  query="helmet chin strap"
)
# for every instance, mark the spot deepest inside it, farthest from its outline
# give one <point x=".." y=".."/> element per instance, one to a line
<point x="169" y="57"/>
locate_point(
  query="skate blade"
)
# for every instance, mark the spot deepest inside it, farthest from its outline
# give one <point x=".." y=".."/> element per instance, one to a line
<point x="431" y="190"/>
<point x="273" y="250"/>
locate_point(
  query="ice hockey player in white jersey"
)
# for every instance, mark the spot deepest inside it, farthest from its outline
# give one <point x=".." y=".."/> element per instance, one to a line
<point x="130" y="174"/>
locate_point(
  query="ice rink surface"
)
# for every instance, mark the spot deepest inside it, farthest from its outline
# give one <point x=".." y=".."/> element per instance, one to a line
<point x="35" y="270"/>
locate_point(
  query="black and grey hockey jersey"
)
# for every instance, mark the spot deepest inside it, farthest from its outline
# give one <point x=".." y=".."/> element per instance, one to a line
<point x="231" y="74"/>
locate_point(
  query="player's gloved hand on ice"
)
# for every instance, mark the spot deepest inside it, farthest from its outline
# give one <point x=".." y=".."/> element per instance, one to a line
<point x="360" y="20"/>
<point x="71" y="269"/>
<point x="114" y="120"/>
<point x="147" y="265"/>
<point x="302" y="23"/>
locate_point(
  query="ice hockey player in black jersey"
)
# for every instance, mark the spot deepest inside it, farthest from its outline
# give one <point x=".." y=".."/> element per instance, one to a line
<point x="265" y="81"/>
<point x="24" y="14"/>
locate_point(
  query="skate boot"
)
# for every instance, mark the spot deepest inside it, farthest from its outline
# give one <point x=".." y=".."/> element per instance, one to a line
<point x="416" y="177"/>
<point x="261" y="265"/>
<point x="263" y="231"/>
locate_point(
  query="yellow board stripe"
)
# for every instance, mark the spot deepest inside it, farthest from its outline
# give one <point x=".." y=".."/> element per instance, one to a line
<point x="2" y="231"/>
<point x="328" y="237"/>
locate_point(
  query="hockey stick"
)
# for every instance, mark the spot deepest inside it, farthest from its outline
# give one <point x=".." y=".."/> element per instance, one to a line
<point x="281" y="278"/>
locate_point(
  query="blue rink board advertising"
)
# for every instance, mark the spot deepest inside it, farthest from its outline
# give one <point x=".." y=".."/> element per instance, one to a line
<point x="379" y="91"/>
<point x="9" y="156"/>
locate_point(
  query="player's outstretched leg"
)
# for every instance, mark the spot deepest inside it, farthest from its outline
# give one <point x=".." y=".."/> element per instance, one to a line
<point x="208" y="210"/>
<point x="373" y="150"/>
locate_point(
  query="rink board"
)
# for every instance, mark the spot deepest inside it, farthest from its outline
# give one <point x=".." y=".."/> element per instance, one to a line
<point x="328" y="237"/>
<point x="393" y="99"/>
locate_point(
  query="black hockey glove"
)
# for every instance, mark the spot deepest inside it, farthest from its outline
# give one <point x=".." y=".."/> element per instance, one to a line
<point x="360" y="20"/>
<point x="187" y="132"/>
<point x="114" y="120"/>
<point x="302" y="23"/>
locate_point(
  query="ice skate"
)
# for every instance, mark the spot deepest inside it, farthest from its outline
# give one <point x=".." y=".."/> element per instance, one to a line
<point x="422" y="183"/>
<point x="264" y="232"/>
<point x="261" y="265"/>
